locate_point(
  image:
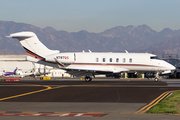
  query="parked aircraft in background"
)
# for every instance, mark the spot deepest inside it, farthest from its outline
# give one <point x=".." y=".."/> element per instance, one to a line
<point x="20" y="73"/>
<point x="90" y="63"/>
<point x="9" y="73"/>
<point x="37" y="72"/>
<point x="32" y="73"/>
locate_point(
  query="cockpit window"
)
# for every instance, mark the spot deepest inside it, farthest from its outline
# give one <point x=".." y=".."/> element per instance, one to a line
<point x="155" y="57"/>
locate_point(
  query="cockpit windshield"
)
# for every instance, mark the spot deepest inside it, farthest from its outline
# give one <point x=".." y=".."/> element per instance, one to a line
<point x="155" y="57"/>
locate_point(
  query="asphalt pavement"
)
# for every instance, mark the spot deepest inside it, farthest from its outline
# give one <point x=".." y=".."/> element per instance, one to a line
<point x="75" y="99"/>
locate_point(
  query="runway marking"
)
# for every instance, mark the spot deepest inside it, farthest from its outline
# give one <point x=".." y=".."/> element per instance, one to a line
<point x="54" y="114"/>
<point x="28" y="93"/>
<point x="154" y="102"/>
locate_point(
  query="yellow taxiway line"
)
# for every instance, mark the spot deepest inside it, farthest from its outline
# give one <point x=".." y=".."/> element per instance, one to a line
<point x="154" y="102"/>
<point x="28" y="93"/>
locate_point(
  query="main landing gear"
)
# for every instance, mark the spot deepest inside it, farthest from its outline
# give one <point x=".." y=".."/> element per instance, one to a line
<point x="156" y="79"/>
<point x="88" y="78"/>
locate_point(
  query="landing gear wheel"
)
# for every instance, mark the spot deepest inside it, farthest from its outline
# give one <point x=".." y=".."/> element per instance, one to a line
<point x="88" y="78"/>
<point x="156" y="79"/>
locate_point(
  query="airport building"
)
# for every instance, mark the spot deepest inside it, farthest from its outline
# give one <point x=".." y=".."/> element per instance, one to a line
<point x="8" y="63"/>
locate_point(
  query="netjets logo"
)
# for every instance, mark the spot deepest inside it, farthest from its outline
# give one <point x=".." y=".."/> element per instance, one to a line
<point x="62" y="57"/>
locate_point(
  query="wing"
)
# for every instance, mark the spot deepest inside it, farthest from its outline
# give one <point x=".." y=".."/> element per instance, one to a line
<point x="93" y="71"/>
<point x="83" y="71"/>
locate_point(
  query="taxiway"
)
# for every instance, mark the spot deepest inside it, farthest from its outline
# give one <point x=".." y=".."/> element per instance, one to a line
<point x="113" y="98"/>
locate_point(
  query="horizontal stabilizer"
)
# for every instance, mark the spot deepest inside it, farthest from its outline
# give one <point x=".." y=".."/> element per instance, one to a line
<point x="19" y="36"/>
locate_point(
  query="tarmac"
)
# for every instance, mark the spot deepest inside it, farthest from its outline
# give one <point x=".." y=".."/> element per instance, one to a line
<point x="71" y="98"/>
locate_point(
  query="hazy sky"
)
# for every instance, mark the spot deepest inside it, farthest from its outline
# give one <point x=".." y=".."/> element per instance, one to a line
<point x="92" y="15"/>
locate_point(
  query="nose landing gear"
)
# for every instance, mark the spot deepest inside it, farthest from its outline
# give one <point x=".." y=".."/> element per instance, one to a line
<point x="153" y="76"/>
<point x="156" y="79"/>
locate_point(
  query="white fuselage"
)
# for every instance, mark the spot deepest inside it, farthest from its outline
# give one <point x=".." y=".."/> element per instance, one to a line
<point x="115" y="62"/>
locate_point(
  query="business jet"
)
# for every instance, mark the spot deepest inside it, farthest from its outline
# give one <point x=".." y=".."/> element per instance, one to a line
<point x="89" y="64"/>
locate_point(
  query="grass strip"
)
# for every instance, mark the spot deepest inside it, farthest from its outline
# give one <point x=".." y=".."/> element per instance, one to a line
<point x="169" y="105"/>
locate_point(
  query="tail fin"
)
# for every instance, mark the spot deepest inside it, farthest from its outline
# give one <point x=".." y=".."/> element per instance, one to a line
<point x="32" y="45"/>
<point x="15" y="70"/>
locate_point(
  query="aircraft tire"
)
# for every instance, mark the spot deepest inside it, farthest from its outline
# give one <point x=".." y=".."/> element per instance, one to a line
<point x="88" y="78"/>
<point x="156" y="79"/>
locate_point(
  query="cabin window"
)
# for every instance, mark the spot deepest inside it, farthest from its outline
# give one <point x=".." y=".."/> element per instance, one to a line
<point x="117" y="59"/>
<point x="130" y="60"/>
<point x="124" y="60"/>
<point x="104" y="59"/>
<point x="110" y="60"/>
<point x="97" y="59"/>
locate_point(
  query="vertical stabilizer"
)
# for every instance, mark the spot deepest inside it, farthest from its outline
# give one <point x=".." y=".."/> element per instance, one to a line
<point x="15" y="70"/>
<point x="32" y="45"/>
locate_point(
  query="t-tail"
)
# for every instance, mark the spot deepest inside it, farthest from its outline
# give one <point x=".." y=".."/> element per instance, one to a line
<point x="32" y="45"/>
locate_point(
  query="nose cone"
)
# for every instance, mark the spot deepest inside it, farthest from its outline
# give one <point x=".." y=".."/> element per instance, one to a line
<point x="171" y="67"/>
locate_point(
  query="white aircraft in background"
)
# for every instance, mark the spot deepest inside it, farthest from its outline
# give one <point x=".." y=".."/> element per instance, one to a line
<point x="90" y="63"/>
<point x="32" y="73"/>
<point x="21" y="73"/>
<point x="37" y="72"/>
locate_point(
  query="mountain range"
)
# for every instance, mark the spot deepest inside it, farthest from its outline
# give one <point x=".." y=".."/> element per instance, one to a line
<point x="131" y="38"/>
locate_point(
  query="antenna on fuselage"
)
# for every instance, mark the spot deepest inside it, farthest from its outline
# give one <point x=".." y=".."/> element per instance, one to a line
<point x="90" y="51"/>
<point x="126" y="51"/>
